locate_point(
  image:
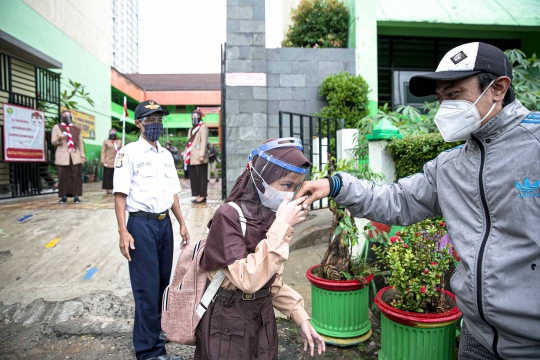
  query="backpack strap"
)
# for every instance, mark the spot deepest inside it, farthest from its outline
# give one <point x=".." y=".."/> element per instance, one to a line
<point x="241" y="215"/>
<point x="219" y="277"/>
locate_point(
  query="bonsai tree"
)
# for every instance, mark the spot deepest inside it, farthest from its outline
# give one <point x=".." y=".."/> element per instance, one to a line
<point x="337" y="263"/>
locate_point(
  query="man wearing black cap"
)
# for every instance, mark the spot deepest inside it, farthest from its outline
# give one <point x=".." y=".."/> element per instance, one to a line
<point x="488" y="191"/>
<point x="146" y="184"/>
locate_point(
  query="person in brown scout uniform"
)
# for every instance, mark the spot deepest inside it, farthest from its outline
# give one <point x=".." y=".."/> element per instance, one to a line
<point x="240" y="322"/>
<point x="108" y="154"/>
<point x="196" y="157"/>
<point x="69" y="157"/>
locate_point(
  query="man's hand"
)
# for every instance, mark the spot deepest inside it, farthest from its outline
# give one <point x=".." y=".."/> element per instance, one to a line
<point x="316" y="190"/>
<point x="126" y="242"/>
<point x="201" y="158"/>
<point x="185" y="236"/>
<point x="311" y="337"/>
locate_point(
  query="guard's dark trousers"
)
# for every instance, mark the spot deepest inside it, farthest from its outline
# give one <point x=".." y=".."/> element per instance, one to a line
<point x="150" y="272"/>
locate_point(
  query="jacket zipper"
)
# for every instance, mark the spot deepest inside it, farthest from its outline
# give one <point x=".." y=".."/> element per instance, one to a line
<point x="483" y="246"/>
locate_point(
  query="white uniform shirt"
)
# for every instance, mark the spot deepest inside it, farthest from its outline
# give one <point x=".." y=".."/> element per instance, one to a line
<point x="147" y="176"/>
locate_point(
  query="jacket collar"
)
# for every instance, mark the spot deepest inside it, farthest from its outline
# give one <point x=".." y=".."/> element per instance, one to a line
<point x="145" y="146"/>
<point x="509" y="117"/>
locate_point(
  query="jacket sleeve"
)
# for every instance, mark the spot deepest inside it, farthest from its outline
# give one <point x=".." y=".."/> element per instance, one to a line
<point x="287" y="301"/>
<point x="55" y="135"/>
<point x="251" y="273"/>
<point x="406" y="202"/>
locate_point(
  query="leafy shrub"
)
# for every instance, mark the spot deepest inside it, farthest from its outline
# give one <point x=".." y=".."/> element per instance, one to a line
<point x="418" y="258"/>
<point x="318" y="23"/>
<point x="411" y="153"/>
<point x="526" y="78"/>
<point x="347" y="97"/>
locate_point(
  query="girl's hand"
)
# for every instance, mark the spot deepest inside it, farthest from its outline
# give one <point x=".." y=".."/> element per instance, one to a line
<point x="311" y="337"/>
<point x="292" y="212"/>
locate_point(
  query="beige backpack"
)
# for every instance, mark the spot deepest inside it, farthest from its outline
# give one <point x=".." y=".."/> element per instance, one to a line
<point x="186" y="298"/>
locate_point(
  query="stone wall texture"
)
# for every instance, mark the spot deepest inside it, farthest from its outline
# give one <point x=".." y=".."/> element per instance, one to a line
<point x="293" y="77"/>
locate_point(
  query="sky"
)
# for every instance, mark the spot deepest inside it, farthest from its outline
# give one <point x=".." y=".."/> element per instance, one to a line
<point x="185" y="36"/>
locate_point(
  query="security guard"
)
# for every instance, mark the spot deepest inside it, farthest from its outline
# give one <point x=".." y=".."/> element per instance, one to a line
<point x="146" y="184"/>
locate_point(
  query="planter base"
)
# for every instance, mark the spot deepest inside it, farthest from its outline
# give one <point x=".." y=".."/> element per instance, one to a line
<point x="346" y="342"/>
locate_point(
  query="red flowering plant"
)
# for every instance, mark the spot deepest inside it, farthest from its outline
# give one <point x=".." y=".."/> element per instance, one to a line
<point x="417" y="259"/>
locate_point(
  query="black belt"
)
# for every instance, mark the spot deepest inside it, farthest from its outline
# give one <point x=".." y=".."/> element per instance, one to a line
<point x="239" y="294"/>
<point x="148" y="215"/>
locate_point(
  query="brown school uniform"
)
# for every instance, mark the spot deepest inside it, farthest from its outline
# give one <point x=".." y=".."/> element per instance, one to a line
<point x="68" y="164"/>
<point x="242" y="329"/>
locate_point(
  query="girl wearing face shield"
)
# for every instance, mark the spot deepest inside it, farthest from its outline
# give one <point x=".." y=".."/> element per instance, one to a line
<point x="242" y="313"/>
<point x="196" y="157"/>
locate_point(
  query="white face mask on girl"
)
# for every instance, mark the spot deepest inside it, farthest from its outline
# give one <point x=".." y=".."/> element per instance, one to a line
<point x="271" y="198"/>
<point x="458" y="119"/>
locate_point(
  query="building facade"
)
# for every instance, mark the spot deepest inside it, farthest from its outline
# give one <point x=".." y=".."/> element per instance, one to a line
<point x="47" y="44"/>
<point x="125" y="35"/>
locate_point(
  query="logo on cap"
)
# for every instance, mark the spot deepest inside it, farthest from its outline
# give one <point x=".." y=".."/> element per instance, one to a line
<point x="460" y="56"/>
<point x="152" y="105"/>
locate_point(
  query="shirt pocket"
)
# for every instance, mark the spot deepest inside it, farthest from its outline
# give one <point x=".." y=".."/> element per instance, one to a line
<point x="170" y="174"/>
<point x="146" y="177"/>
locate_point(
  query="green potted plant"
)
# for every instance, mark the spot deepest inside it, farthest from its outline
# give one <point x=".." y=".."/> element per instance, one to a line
<point x="90" y="169"/>
<point x="340" y="283"/>
<point x="418" y="316"/>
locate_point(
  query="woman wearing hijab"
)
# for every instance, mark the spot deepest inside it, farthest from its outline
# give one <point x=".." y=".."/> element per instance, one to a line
<point x="196" y="157"/>
<point x="69" y="157"/>
<point x="240" y="322"/>
<point x="108" y="154"/>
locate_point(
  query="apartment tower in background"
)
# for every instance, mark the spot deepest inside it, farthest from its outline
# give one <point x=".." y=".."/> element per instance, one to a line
<point x="125" y="36"/>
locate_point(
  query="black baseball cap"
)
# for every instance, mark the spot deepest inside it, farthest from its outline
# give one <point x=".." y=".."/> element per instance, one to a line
<point x="461" y="62"/>
<point x="149" y="107"/>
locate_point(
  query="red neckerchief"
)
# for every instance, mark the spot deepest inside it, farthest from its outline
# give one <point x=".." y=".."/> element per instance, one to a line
<point x="187" y="155"/>
<point x="67" y="129"/>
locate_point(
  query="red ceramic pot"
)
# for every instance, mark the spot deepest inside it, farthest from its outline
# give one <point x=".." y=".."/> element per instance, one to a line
<point x="335" y="285"/>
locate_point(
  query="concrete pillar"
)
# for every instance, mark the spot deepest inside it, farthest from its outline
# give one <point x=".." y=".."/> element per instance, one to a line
<point x="246" y="120"/>
<point x="380" y="160"/>
<point x="363" y="37"/>
<point x="346" y="142"/>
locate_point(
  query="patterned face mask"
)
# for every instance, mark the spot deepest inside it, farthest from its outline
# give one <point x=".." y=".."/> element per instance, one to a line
<point x="153" y="131"/>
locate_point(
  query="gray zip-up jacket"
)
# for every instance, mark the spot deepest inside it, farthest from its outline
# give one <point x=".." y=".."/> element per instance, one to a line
<point x="488" y="191"/>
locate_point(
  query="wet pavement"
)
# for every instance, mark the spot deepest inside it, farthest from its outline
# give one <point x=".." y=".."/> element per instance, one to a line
<point x="64" y="286"/>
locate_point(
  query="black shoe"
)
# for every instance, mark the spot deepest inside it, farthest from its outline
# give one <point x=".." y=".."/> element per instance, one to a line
<point x="217" y="180"/>
<point x="198" y="202"/>
<point x="76" y="200"/>
<point x="167" y="357"/>
<point x="63" y="200"/>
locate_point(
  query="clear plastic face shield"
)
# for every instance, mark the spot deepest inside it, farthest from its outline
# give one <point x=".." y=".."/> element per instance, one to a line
<point x="271" y="179"/>
<point x="195" y="118"/>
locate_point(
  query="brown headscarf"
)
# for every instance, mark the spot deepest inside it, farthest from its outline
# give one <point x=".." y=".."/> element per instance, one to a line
<point x="225" y="243"/>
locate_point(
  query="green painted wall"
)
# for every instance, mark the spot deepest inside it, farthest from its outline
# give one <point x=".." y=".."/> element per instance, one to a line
<point x="22" y="22"/>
